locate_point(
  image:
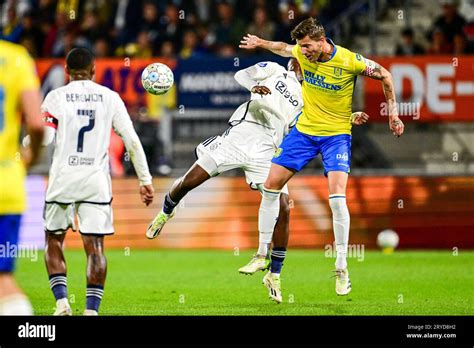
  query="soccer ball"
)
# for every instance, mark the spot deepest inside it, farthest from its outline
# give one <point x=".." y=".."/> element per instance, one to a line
<point x="387" y="240"/>
<point x="157" y="78"/>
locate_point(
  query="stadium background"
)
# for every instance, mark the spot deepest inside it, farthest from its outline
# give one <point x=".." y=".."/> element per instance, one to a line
<point x="420" y="185"/>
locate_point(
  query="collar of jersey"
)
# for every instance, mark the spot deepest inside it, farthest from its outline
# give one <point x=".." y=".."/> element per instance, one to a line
<point x="333" y="52"/>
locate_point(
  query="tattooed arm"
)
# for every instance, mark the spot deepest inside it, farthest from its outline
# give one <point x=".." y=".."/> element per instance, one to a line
<point x="378" y="72"/>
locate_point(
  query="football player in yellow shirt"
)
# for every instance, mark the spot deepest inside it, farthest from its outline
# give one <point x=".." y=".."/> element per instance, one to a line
<point x="324" y="126"/>
<point x="19" y="91"/>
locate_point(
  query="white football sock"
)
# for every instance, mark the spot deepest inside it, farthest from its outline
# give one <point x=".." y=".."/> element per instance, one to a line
<point x="267" y="218"/>
<point x="16" y="304"/>
<point x="341" y="222"/>
<point x="262" y="249"/>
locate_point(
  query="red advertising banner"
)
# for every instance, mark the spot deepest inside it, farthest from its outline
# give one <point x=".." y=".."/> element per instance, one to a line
<point x="428" y="89"/>
<point x="120" y="75"/>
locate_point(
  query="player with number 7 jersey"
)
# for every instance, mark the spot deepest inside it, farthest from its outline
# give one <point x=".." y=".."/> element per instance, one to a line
<point x="80" y="117"/>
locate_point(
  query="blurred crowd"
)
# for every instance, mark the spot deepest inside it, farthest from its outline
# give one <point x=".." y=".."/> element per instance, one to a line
<point x="451" y="33"/>
<point x="144" y="28"/>
<point x="191" y="28"/>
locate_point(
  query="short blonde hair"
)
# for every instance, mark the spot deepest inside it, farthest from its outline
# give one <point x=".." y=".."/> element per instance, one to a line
<point x="309" y="27"/>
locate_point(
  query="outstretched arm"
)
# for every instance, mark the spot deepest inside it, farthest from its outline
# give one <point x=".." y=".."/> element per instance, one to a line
<point x="250" y="42"/>
<point x="378" y="72"/>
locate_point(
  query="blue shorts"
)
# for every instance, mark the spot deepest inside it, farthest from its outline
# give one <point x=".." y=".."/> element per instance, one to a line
<point x="297" y="149"/>
<point x="9" y="231"/>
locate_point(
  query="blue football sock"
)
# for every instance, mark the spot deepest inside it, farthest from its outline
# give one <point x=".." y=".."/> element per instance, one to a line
<point x="277" y="257"/>
<point x="58" y="284"/>
<point x="94" y="295"/>
<point x="168" y="204"/>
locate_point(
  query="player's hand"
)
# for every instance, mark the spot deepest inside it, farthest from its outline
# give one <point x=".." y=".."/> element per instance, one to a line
<point x="250" y="42"/>
<point x="262" y="90"/>
<point x="359" y="118"/>
<point x="396" y="126"/>
<point x="146" y="192"/>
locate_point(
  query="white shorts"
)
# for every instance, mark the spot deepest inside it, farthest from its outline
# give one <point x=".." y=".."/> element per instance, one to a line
<point x="92" y="218"/>
<point x="248" y="146"/>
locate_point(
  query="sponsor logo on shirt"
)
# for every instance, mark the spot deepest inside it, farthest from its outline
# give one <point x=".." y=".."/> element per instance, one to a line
<point x="319" y="81"/>
<point x="81" y="161"/>
<point x="73" y="160"/>
<point x="283" y="89"/>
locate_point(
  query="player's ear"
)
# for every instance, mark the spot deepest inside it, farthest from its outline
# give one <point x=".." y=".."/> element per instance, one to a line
<point x="67" y="70"/>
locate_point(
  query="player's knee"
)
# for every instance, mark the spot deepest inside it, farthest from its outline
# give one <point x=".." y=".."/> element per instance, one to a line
<point x="94" y="245"/>
<point x="337" y="183"/>
<point x="337" y="188"/>
<point x="54" y="243"/>
<point x="53" y="238"/>
<point x="272" y="184"/>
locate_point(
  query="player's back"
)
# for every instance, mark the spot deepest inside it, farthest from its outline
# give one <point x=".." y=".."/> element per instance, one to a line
<point x="285" y="99"/>
<point x="281" y="107"/>
<point x="83" y="113"/>
<point x="17" y="74"/>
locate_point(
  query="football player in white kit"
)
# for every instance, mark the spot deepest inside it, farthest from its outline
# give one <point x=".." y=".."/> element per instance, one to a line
<point x="80" y="117"/>
<point x="257" y="128"/>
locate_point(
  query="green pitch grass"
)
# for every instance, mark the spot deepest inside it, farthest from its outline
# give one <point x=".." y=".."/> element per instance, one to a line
<point x="191" y="282"/>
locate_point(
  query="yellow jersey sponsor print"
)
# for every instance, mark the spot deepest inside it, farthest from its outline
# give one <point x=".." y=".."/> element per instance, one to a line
<point x="327" y="88"/>
<point x="17" y="74"/>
